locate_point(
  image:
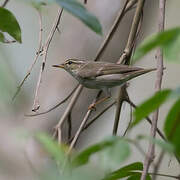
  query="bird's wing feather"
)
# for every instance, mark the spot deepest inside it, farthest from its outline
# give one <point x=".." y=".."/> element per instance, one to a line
<point x="91" y="70"/>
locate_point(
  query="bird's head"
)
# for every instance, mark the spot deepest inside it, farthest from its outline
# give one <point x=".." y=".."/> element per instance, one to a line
<point x="71" y="65"/>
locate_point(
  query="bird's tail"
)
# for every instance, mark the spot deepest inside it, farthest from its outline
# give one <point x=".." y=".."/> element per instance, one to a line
<point x="137" y="73"/>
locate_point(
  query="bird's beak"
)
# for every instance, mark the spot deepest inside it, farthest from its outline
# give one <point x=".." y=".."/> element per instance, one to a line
<point x="58" y="66"/>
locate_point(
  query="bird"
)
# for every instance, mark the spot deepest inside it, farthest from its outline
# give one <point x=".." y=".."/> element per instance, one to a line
<point x="101" y="75"/>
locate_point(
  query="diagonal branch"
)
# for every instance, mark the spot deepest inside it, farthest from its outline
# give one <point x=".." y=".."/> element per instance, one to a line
<point x="35" y="58"/>
<point x="4" y="3"/>
<point x="82" y="125"/>
<point x="45" y="51"/>
<point x="56" y="106"/>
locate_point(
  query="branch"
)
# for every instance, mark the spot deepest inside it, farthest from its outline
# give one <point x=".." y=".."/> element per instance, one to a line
<point x="45" y="51"/>
<point x="98" y="115"/>
<point x="57" y="131"/>
<point x="159" y="55"/>
<point x="56" y="106"/>
<point x="82" y="125"/>
<point x="130" y="121"/>
<point x="4" y="3"/>
<point x="69" y="122"/>
<point x="121" y="98"/>
<point x="148" y="119"/>
<point x="164" y="175"/>
<point x="35" y="58"/>
<point x="95" y="118"/>
<point x="127" y="6"/>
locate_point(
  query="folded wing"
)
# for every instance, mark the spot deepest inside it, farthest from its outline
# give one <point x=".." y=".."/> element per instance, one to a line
<point x="91" y="70"/>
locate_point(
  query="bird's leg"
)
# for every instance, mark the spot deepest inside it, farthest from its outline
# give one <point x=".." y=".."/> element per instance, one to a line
<point x="93" y="105"/>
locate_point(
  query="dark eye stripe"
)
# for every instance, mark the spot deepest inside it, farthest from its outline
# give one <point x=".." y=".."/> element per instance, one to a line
<point x="69" y="62"/>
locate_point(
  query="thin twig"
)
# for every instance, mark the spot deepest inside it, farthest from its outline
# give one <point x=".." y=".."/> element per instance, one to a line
<point x="54" y="107"/>
<point x="38" y="52"/>
<point x="79" y="130"/>
<point x="157" y="164"/>
<point x="130" y="121"/>
<point x="69" y="122"/>
<point x="133" y="31"/>
<point x="82" y="125"/>
<point x="95" y="118"/>
<point x="66" y="112"/>
<point x="164" y="175"/>
<point x="45" y="51"/>
<point x="121" y="99"/>
<point x="159" y="55"/>
<point x="4" y="3"/>
<point x="138" y="146"/>
<point x="148" y="119"/>
<point x="127" y="6"/>
<point x="98" y="115"/>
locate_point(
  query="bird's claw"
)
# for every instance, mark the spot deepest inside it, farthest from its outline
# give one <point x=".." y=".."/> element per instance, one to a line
<point x="92" y="107"/>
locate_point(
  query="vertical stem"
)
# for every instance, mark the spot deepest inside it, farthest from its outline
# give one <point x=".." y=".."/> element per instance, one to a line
<point x="159" y="56"/>
<point x="121" y="98"/>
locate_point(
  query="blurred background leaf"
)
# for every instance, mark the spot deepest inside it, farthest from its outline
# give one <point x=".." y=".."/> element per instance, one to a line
<point x="150" y="105"/>
<point x="114" y="150"/>
<point x="172" y="126"/>
<point x="168" y="40"/>
<point x="166" y="146"/>
<point x="9" y="24"/>
<point x="2" y="39"/>
<point x="79" y="11"/>
<point x="112" y="156"/>
<point x="57" y="151"/>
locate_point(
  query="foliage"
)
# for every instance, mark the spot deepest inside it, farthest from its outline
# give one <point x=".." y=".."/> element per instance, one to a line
<point x="172" y="126"/>
<point x="9" y="24"/>
<point x="78" y="10"/>
<point x="112" y="152"/>
<point x="150" y="105"/>
<point x="168" y="40"/>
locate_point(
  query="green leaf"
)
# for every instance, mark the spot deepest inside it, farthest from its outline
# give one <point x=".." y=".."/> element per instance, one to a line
<point x="171" y="48"/>
<point x="172" y="126"/>
<point x="125" y="171"/>
<point x="9" y="24"/>
<point x="150" y="105"/>
<point x="166" y="146"/>
<point x="167" y="40"/>
<point x="130" y="171"/>
<point x="114" y="149"/>
<point x="56" y="150"/>
<point x="78" y="10"/>
<point x="83" y="157"/>
<point x="137" y="176"/>
<point x="2" y="39"/>
<point x="115" y="154"/>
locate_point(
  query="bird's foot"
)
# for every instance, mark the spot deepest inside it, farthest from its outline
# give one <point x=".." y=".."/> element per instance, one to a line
<point x="92" y="107"/>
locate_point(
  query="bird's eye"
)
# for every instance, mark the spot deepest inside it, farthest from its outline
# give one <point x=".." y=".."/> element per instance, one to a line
<point x="69" y="62"/>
